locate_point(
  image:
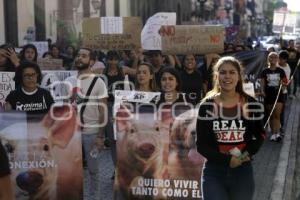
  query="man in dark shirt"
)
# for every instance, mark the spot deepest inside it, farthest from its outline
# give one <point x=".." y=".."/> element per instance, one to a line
<point x="5" y="182"/>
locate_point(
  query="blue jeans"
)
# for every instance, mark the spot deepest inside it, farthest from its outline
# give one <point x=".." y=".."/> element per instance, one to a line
<point x="224" y="183"/>
<point x="93" y="166"/>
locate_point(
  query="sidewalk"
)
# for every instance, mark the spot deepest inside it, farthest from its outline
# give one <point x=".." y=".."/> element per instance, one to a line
<point x="275" y="164"/>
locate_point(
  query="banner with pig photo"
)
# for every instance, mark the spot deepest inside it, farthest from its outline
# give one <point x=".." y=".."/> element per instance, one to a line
<point x="44" y="155"/>
<point x="156" y="153"/>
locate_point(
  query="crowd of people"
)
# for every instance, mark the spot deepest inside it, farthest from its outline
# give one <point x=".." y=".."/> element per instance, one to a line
<point x="189" y="79"/>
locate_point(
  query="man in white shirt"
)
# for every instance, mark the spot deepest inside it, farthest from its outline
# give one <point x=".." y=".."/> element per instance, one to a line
<point x="93" y="117"/>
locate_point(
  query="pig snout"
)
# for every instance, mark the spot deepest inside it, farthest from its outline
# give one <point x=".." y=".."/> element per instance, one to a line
<point x="29" y="181"/>
<point x="145" y="150"/>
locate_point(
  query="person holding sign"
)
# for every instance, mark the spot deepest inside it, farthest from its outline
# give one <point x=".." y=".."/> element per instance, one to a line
<point x="6" y="192"/>
<point x="28" y="96"/>
<point x="229" y="132"/>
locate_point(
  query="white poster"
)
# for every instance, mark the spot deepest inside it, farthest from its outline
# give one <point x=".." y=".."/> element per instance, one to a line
<point x="249" y="89"/>
<point x="7" y="84"/>
<point x="150" y="37"/>
<point x="54" y="82"/>
<point x="111" y="25"/>
<point x="42" y="47"/>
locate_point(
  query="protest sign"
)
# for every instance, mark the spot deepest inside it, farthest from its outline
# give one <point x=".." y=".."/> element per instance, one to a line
<point x="150" y="38"/>
<point x="42" y="47"/>
<point x="45" y="157"/>
<point x="54" y="82"/>
<point x="118" y="33"/>
<point x="249" y="89"/>
<point x="290" y="23"/>
<point x="50" y="64"/>
<point x="285" y="22"/>
<point x="195" y="39"/>
<point x="7" y="84"/>
<point x="254" y="62"/>
<point x="278" y="22"/>
<point x="156" y="155"/>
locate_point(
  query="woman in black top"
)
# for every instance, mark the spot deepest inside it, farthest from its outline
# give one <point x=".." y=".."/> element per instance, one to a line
<point x="6" y="192"/>
<point x="192" y="84"/>
<point x="229" y="133"/>
<point x="29" y="53"/>
<point x="271" y="79"/>
<point x="170" y="83"/>
<point x="28" y="96"/>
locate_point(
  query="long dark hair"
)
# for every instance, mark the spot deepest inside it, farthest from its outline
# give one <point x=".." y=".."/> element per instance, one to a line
<point x="175" y="73"/>
<point x="216" y="85"/>
<point x="112" y="54"/>
<point x="152" y="81"/>
<point x="19" y="72"/>
<point x="28" y="46"/>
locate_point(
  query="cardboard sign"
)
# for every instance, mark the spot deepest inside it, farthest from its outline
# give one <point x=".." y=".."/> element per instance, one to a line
<point x="126" y="37"/>
<point x="7" y="84"/>
<point x="150" y="38"/>
<point x="185" y="39"/>
<point x="50" y="64"/>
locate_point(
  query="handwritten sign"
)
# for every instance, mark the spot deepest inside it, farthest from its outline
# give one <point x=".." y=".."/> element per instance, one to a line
<point x="150" y="38"/>
<point x="113" y="36"/>
<point x="111" y="25"/>
<point x="50" y="64"/>
<point x="7" y="84"/>
<point x="290" y="23"/>
<point x="54" y="82"/>
<point x="184" y="39"/>
<point x="249" y="89"/>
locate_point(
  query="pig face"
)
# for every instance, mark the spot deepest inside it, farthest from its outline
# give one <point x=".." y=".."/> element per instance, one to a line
<point x="141" y="139"/>
<point x="30" y="151"/>
<point x="142" y="146"/>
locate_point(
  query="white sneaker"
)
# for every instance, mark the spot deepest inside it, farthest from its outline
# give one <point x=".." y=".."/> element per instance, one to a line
<point x="273" y="137"/>
<point x="278" y="137"/>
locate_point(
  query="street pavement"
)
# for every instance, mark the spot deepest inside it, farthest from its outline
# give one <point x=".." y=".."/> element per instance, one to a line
<point x="276" y="166"/>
